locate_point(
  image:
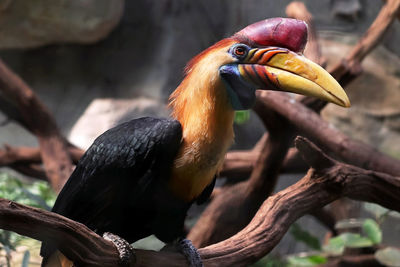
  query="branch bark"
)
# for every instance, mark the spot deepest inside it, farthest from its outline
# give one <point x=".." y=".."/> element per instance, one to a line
<point x="75" y="240"/>
<point x="325" y="182"/>
<point x="240" y="164"/>
<point x="31" y="155"/>
<point x="327" y="136"/>
<point x="350" y="67"/>
<point x="31" y="170"/>
<point x="28" y="160"/>
<point x="40" y="122"/>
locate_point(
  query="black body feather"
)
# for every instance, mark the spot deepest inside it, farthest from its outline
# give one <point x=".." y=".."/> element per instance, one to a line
<point x="120" y="184"/>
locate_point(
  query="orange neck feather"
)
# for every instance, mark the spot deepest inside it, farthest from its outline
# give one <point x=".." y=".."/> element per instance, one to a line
<point x="202" y="106"/>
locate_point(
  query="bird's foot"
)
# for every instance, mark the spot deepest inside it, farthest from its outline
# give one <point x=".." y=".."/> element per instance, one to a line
<point x="126" y="252"/>
<point x="191" y="254"/>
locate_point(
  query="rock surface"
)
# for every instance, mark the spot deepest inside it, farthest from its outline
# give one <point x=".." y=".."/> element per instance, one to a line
<point x="27" y="24"/>
<point x="374" y="117"/>
<point x="103" y="114"/>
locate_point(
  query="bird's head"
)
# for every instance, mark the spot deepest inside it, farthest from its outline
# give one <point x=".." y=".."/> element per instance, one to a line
<point x="268" y="55"/>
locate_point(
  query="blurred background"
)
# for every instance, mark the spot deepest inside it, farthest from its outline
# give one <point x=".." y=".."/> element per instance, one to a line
<point x="96" y="63"/>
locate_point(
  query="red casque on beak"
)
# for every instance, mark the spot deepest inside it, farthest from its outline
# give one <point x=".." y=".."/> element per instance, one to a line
<point x="275" y="62"/>
<point x="280" y="32"/>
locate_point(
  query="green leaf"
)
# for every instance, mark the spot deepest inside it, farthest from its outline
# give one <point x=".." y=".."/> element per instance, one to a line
<point x="241" y="116"/>
<point x="335" y="246"/>
<point x="369" y="227"/>
<point x="37" y="194"/>
<point x="372" y="231"/>
<point x="317" y="259"/>
<point x="305" y="261"/>
<point x="352" y="240"/>
<point x="388" y="256"/>
<point x="303" y="236"/>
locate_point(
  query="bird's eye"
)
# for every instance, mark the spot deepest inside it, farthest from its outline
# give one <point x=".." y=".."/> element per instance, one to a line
<point x="240" y="50"/>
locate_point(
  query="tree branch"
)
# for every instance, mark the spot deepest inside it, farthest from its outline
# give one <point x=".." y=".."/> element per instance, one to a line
<point x="19" y="155"/>
<point x="75" y="240"/>
<point x="350" y="67"/>
<point x="240" y="164"/>
<point x="323" y="133"/>
<point x="327" y="181"/>
<point x="40" y="122"/>
<point x="32" y="170"/>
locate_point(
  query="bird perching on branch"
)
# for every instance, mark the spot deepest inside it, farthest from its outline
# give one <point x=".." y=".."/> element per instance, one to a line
<point x="141" y="177"/>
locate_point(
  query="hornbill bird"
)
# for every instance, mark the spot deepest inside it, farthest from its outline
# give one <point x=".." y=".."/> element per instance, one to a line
<point x="141" y="177"/>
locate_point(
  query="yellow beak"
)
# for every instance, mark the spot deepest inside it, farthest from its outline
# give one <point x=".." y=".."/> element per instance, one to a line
<point x="275" y="68"/>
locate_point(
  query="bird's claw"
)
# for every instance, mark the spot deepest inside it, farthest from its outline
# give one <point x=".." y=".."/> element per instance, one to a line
<point x="126" y="252"/>
<point x="191" y="254"/>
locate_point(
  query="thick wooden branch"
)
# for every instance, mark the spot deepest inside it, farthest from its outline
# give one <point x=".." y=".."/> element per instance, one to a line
<point x="75" y="240"/>
<point x="39" y="121"/>
<point x="240" y="164"/>
<point x="327" y="181"/>
<point x="19" y="155"/>
<point x="31" y="170"/>
<point x="350" y="66"/>
<point x="327" y="136"/>
<point x="28" y="160"/>
<point x="375" y="33"/>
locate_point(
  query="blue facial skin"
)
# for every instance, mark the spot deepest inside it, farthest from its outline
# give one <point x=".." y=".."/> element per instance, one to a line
<point x="241" y="93"/>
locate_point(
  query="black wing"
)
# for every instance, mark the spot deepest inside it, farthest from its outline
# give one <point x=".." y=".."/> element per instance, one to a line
<point x="116" y="171"/>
